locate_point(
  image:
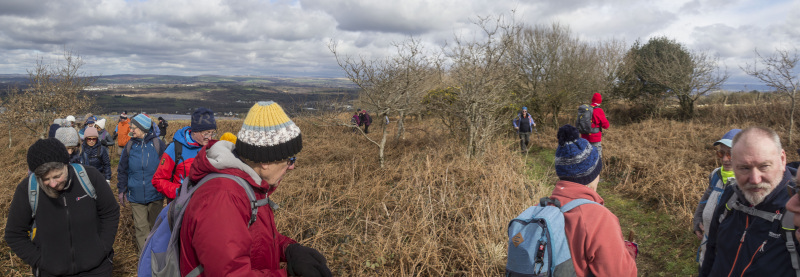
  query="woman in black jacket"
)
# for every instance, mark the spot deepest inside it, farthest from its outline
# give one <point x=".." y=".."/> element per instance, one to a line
<point x="72" y="232"/>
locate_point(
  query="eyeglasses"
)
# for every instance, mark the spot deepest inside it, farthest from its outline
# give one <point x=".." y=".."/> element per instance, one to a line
<point x="723" y="153"/>
<point x="208" y="135"/>
<point x="91" y="139"/>
<point x="291" y="161"/>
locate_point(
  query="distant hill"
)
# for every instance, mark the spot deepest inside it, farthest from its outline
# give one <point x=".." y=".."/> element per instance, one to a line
<point x="224" y="94"/>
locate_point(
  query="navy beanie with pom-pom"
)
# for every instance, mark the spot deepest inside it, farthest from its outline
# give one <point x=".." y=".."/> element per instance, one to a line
<point x="576" y="160"/>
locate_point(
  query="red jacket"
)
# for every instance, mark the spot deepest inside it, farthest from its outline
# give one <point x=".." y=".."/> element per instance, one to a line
<point x="214" y="230"/>
<point x="599" y="120"/>
<point x="595" y="238"/>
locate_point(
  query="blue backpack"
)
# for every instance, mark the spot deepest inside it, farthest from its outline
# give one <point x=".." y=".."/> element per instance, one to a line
<point x="160" y="255"/>
<point x="537" y="243"/>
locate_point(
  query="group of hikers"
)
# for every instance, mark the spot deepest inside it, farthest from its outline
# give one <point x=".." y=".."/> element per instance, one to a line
<point x="746" y="219"/>
<point x="227" y="229"/>
<point x="361" y="118"/>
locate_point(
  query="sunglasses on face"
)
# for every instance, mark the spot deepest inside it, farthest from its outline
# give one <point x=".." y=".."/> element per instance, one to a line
<point x="91" y="139"/>
<point x="291" y="161"/>
<point x="723" y="153"/>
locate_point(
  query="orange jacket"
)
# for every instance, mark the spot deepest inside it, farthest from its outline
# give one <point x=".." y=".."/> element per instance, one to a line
<point x="123" y="128"/>
<point x="595" y="238"/>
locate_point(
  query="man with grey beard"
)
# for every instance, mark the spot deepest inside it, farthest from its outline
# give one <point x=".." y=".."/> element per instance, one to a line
<point x="746" y="236"/>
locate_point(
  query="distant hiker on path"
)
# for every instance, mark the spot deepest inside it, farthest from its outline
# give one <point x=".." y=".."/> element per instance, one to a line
<point x="162" y="127"/>
<point x="594" y="235"/>
<point x="599" y="121"/>
<point x="524" y="125"/>
<point x="177" y="159"/>
<point x="215" y="233"/>
<point x="73" y="232"/>
<point x="137" y="164"/>
<point x="747" y="235"/>
<point x="365" y="119"/>
<point x="720" y="178"/>
<point x="356" y="120"/>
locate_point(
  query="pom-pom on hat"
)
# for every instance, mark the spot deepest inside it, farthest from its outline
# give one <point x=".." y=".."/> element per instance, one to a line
<point x="67" y="136"/>
<point x="268" y="134"/>
<point x="46" y="150"/>
<point x="576" y="160"/>
<point x="142" y="122"/>
<point x="727" y="139"/>
<point x="229" y="137"/>
<point x="203" y="119"/>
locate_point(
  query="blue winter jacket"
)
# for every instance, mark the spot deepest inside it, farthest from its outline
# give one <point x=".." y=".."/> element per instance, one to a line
<point x="136" y="169"/>
<point x="746" y="245"/>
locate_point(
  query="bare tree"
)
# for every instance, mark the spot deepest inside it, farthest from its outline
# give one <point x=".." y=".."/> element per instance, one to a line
<point x="54" y="90"/>
<point x="393" y="85"/>
<point x="779" y="73"/>
<point x="557" y="70"/>
<point x="481" y="83"/>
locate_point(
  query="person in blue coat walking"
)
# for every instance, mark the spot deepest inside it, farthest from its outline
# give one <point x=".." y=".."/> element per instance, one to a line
<point x="137" y="164"/>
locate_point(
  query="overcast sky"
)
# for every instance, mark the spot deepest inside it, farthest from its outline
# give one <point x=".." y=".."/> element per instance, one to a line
<point x="289" y="38"/>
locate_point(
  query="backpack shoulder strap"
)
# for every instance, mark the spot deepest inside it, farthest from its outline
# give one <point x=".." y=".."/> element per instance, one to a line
<point x="178" y="147"/>
<point x="157" y="144"/>
<point x="33" y="193"/>
<point x="83" y="177"/>
<point x="575" y="203"/>
<point x="787" y="224"/>
<point x="128" y="147"/>
<point x="251" y="195"/>
<point x="768" y="216"/>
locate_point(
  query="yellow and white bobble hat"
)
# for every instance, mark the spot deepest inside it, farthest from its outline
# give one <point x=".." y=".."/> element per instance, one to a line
<point x="268" y="134"/>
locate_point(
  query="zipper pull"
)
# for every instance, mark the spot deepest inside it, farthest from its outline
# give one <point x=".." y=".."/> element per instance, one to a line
<point x="762" y="246"/>
<point x="743" y="234"/>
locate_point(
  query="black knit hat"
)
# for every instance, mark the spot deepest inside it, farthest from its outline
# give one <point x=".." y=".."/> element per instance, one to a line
<point x="45" y="151"/>
<point x="203" y="119"/>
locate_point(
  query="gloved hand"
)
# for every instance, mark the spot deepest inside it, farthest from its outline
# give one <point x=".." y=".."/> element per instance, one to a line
<point x="633" y="249"/>
<point x="123" y="199"/>
<point x="305" y="261"/>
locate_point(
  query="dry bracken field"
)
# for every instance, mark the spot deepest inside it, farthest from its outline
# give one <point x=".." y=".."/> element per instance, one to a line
<point x="431" y="211"/>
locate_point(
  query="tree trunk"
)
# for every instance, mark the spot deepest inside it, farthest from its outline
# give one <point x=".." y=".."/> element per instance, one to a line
<point x="791" y="117"/>
<point x="401" y="129"/>
<point x="382" y="146"/>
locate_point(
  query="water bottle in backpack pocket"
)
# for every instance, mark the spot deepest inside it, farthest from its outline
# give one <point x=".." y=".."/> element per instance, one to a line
<point x="537" y="242"/>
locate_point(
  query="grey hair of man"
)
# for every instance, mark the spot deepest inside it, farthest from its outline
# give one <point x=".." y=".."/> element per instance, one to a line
<point x="760" y="130"/>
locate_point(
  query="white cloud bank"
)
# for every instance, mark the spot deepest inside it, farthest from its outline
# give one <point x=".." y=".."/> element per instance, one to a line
<point x="281" y="37"/>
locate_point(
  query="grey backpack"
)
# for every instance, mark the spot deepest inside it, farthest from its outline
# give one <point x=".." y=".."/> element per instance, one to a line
<point x="584" y="121"/>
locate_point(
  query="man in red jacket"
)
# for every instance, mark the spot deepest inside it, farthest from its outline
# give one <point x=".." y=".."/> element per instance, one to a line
<point x="214" y="231"/>
<point x="599" y="120"/>
<point x="177" y="158"/>
<point x="595" y="238"/>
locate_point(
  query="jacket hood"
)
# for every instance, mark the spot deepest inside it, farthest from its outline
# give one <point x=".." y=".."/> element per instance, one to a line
<point x="182" y="135"/>
<point x="597" y="99"/>
<point x="217" y="157"/>
<point x="566" y="190"/>
<point x="773" y="198"/>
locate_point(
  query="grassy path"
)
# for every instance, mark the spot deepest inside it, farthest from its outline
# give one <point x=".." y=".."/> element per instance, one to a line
<point x="666" y="246"/>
